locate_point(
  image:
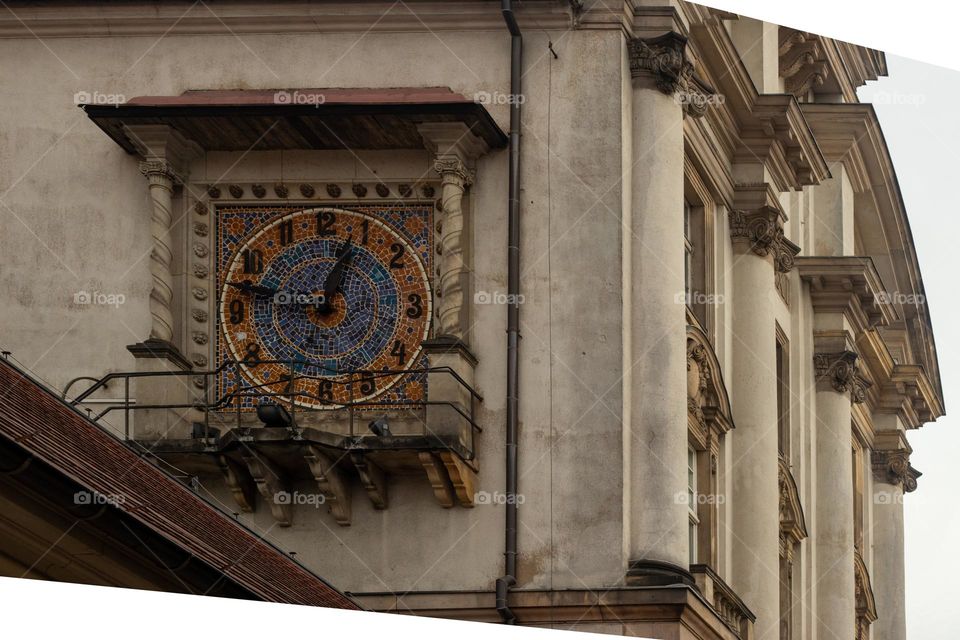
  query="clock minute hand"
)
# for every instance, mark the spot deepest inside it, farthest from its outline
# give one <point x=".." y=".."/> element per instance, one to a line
<point x="246" y="286"/>
<point x="335" y="277"/>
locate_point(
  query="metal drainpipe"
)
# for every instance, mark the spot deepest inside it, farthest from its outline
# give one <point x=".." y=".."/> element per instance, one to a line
<point x="509" y="578"/>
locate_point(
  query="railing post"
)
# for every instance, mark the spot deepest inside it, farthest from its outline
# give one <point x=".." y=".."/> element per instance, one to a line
<point x="291" y="394"/>
<point x="206" y="407"/>
<point x="350" y="403"/>
<point x="126" y="408"/>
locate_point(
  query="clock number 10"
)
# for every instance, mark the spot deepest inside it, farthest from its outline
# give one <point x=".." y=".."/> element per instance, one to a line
<point x="252" y="261"/>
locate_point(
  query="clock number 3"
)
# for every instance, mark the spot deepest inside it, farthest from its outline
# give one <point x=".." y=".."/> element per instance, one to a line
<point x="416" y="305"/>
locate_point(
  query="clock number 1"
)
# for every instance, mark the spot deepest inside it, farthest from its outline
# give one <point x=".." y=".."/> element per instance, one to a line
<point x="399" y="350"/>
<point x="286" y="232"/>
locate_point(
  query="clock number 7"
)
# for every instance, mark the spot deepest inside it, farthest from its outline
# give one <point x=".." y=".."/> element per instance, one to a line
<point x="400" y="351"/>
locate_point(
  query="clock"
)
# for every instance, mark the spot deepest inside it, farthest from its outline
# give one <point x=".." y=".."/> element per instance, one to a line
<point x="341" y="293"/>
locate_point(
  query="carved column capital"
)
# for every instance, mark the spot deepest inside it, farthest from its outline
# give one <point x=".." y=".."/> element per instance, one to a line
<point x="761" y="231"/>
<point x="665" y="57"/>
<point x="453" y="168"/>
<point x="160" y="171"/>
<point x="893" y="467"/>
<point x="839" y="369"/>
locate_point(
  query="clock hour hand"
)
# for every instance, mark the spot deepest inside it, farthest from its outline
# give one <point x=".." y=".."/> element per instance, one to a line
<point x="246" y="286"/>
<point x="335" y="277"/>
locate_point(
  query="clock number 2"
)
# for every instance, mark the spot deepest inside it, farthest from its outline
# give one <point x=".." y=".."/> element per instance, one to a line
<point x="396" y="262"/>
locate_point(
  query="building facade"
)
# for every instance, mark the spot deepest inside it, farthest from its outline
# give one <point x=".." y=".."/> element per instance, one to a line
<point x="305" y="226"/>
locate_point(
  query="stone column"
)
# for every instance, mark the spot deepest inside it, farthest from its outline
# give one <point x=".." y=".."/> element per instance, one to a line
<point x="757" y="236"/>
<point x="451" y="271"/>
<point x="892" y="477"/>
<point x="161" y="178"/>
<point x="655" y="441"/>
<point x="838" y="383"/>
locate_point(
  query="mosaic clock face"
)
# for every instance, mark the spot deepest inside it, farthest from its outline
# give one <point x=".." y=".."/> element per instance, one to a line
<point x="343" y="294"/>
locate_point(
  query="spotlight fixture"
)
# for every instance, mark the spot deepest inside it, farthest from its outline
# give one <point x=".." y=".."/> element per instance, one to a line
<point x="380" y="427"/>
<point x="273" y="415"/>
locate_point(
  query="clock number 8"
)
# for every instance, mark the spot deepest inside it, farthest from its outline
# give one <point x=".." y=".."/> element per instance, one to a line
<point x="253" y="353"/>
<point x="326" y="391"/>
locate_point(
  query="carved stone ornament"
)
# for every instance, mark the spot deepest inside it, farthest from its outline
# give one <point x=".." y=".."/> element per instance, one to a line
<point x="334" y="190"/>
<point x="199" y="359"/>
<point x="307" y="190"/>
<point x="235" y="190"/>
<point x="199" y="337"/>
<point x="893" y="467"/>
<point x="201" y="209"/>
<point x="382" y="190"/>
<point x="762" y="230"/>
<point x="201" y="229"/>
<point x="405" y="190"/>
<point x="359" y="190"/>
<point x="665" y="57"/>
<point x="258" y="190"/>
<point x="199" y="293"/>
<point x="281" y="190"/>
<point x="200" y="270"/>
<point x="200" y="250"/>
<point x="841" y="371"/>
<point x="451" y="167"/>
<point x="213" y="191"/>
<point x="428" y="191"/>
<point x="160" y="169"/>
<point x="199" y="315"/>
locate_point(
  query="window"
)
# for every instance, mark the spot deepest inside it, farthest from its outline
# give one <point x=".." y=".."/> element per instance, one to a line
<point x="692" y="502"/>
<point x="858" y="488"/>
<point x="688" y="253"/>
<point x="783" y="397"/>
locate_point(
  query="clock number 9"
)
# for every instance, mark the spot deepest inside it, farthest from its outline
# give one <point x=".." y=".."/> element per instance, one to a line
<point x="416" y="305"/>
<point x="325" y="222"/>
<point x="237" y="311"/>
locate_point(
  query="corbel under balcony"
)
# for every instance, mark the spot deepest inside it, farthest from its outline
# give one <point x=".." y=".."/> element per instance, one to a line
<point x="847" y="285"/>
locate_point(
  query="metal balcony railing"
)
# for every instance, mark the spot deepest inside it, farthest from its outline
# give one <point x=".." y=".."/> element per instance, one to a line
<point x="358" y="384"/>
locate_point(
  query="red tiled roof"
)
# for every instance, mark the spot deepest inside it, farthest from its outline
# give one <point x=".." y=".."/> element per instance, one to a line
<point x="59" y="436"/>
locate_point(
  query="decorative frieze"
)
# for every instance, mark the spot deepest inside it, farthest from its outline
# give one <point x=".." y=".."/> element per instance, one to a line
<point x="840" y="370"/>
<point x="665" y="58"/>
<point x="893" y="467"/>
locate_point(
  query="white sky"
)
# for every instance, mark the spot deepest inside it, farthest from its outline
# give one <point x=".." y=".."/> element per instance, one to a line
<point x="917" y="106"/>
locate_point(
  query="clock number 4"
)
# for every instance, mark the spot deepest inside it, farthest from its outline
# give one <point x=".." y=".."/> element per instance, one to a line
<point x="400" y="351"/>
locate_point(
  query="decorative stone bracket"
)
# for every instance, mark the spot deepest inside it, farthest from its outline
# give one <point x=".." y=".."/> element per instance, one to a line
<point x="841" y="371"/>
<point x="665" y="57"/>
<point x="893" y="467"/>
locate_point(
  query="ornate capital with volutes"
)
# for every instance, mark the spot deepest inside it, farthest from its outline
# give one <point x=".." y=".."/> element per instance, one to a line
<point x="761" y="231"/>
<point x="665" y="57"/>
<point x="839" y="369"/>
<point x="893" y="467"/>
<point x="157" y="169"/>
<point x="452" y="167"/>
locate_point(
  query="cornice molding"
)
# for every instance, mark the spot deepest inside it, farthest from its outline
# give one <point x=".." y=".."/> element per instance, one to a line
<point x="849" y="285"/>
